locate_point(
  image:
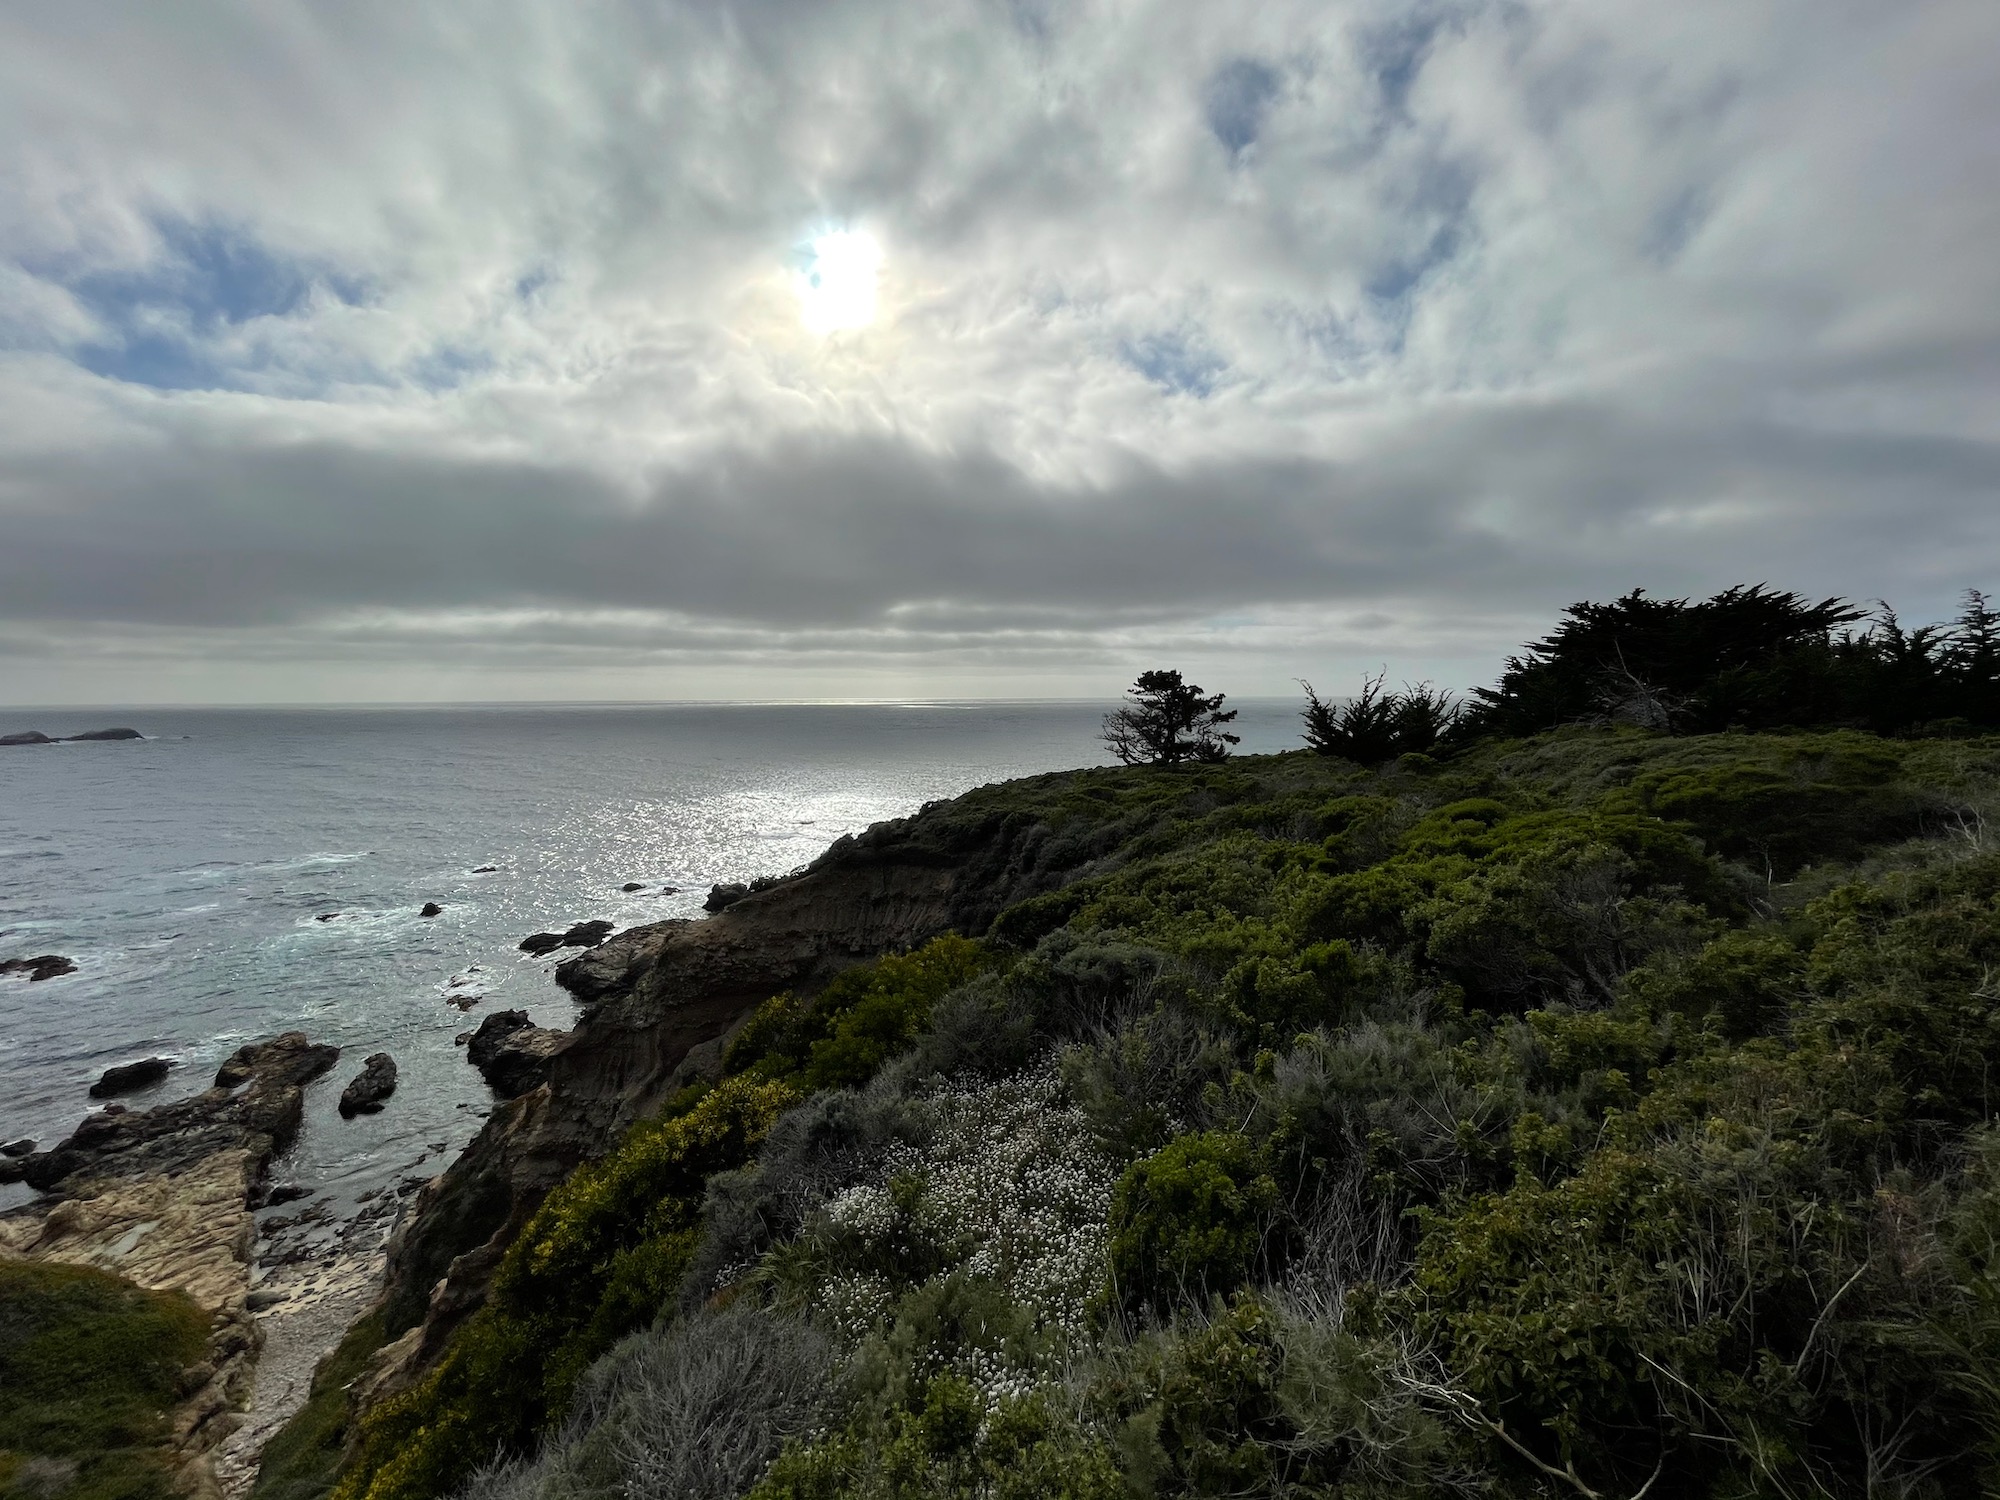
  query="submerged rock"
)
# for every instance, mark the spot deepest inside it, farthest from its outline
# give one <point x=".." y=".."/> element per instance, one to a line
<point x="126" y="1077"/>
<point x="512" y="1053"/>
<point x="484" y="869"/>
<point x="632" y="885"/>
<point x="44" y="966"/>
<point x="375" y="1083"/>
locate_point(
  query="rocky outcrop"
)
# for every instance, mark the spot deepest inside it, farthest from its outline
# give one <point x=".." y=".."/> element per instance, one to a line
<point x="46" y="966"/>
<point x="374" y="1084"/>
<point x="724" y="895"/>
<point x="126" y="1078"/>
<point x="26" y="737"/>
<point x="431" y="909"/>
<point x="512" y="1053"/>
<point x="163" y="1198"/>
<point x="106" y="734"/>
<point x="164" y="1141"/>
<point x="653" y="994"/>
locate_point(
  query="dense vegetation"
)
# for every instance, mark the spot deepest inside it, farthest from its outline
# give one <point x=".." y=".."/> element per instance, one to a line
<point x="1576" y="1111"/>
<point x="1603" y="1112"/>
<point x="90" y="1366"/>
<point x="1750" y="658"/>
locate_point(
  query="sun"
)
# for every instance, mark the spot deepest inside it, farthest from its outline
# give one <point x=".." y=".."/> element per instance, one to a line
<point x="837" y="290"/>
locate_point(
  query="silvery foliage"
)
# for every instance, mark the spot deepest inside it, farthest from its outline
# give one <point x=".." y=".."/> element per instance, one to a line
<point x="693" y="1410"/>
<point x="1011" y="1187"/>
<point x="834" y="1139"/>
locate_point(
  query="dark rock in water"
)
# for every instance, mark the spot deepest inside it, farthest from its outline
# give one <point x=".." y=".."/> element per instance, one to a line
<point x="459" y="1041"/>
<point x="286" y="1192"/>
<point x="26" y="737"/>
<point x="722" y="897"/>
<point x="587" y="934"/>
<point x="512" y="1053"/>
<point x="17" y="1148"/>
<point x="326" y="916"/>
<point x="580" y="935"/>
<point x="261" y="1120"/>
<point x="291" y="1059"/>
<point x="105" y="734"/>
<point x="670" y="890"/>
<point x="376" y="1082"/>
<point x="631" y="885"/>
<point x="126" y="1077"/>
<point x="46" y="966"/>
<point x="463" y="1002"/>
<point x="431" y="909"/>
<point x="12" y="1169"/>
<point x="484" y="869"/>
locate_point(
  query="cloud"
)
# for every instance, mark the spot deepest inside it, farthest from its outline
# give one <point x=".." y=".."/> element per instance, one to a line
<point x="331" y="334"/>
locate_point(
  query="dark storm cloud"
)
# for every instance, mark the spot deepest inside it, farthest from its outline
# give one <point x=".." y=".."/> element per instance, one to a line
<point x="1504" y="502"/>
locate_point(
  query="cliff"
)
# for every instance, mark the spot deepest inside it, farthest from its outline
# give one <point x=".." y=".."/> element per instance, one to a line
<point x="659" y="1000"/>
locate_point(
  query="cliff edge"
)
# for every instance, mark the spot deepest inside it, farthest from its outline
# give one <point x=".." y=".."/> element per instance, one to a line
<point x="659" y="1001"/>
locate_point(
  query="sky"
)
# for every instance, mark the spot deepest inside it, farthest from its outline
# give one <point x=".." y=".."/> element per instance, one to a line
<point x="550" y="349"/>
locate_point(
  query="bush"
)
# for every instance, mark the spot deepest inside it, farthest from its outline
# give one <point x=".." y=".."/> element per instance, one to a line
<point x="1374" y="726"/>
<point x="693" y="1411"/>
<point x="606" y="1251"/>
<point x="862" y="1018"/>
<point x="1189" y="1222"/>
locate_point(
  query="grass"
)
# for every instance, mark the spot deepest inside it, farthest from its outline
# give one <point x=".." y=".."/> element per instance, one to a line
<point x="90" y="1368"/>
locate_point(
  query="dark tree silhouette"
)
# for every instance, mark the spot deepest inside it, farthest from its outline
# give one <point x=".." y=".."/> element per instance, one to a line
<point x="1166" y="721"/>
<point x="1374" y="726"/>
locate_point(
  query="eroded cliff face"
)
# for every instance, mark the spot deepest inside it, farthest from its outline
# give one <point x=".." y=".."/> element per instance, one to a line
<point x="659" y="1002"/>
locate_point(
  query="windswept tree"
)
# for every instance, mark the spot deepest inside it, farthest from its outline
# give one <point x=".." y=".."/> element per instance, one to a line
<point x="1166" y="721"/>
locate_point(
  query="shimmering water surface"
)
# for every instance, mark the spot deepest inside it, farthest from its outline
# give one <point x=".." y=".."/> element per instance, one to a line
<point x="186" y="874"/>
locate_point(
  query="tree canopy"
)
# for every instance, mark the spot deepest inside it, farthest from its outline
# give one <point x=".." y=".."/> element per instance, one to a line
<point x="1166" y="721"/>
<point x="1751" y="657"/>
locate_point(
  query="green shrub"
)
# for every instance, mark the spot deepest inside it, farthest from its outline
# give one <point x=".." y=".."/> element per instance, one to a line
<point x="861" y="1019"/>
<point x="603" y="1255"/>
<point x="1189" y="1221"/>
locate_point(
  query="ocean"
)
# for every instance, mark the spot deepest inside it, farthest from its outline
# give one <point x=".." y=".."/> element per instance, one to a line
<point x="241" y="872"/>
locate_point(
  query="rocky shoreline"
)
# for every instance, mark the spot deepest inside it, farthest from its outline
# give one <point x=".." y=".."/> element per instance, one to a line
<point x="166" y="1198"/>
<point x="170" y="1196"/>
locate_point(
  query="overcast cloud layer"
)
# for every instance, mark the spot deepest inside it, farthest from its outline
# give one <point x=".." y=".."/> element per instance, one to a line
<point x="371" y="350"/>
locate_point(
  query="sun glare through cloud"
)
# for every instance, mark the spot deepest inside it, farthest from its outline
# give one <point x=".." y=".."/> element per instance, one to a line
<point x="837" y="290"/>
